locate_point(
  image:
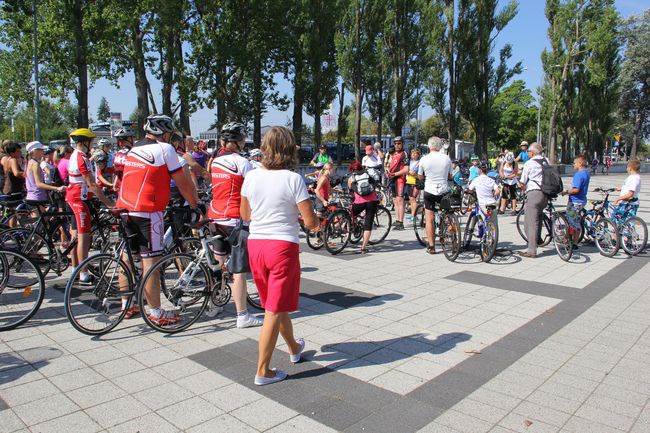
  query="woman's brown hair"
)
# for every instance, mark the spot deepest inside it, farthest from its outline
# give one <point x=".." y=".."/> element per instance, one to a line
<point x="279" y="149"/>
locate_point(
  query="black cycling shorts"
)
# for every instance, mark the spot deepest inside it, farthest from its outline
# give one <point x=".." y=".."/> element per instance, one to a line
<point x="371" y="210"/>
<point x="145" y="233"/>
<point x="430" y="200"/>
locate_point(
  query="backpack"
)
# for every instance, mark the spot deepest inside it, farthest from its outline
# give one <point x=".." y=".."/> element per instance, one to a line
<point x="363" y="184"/>
<point x="551" y="181"/>
<point x="55" y="177"/>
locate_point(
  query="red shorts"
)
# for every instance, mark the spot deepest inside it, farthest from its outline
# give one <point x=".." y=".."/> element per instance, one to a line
<point x="81" y="216"/>
<point x="276" y="270"/>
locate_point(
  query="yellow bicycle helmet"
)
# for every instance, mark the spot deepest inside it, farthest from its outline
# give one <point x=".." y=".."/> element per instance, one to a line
<point x="82" y="134"/>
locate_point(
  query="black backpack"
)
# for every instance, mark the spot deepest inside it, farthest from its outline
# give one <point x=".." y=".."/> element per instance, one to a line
<point x="363" y="184"/>
<point x="55" y="177"/>
<point x="551" y="180"/>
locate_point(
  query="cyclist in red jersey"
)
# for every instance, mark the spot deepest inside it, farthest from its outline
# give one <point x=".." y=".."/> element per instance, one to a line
<point x="398" y="168"/>
<point x="124" y="138"/>
<point x="80" y="190"/>
<point x="145" y="192"/>
<point x="227" y="172"/>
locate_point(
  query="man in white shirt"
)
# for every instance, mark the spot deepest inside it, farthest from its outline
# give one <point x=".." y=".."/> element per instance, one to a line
<point x="435" y="168"/>
<point x="536" y="201"/>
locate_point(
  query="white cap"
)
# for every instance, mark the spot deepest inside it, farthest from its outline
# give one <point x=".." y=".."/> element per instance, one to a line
<point x="34" y="145"/>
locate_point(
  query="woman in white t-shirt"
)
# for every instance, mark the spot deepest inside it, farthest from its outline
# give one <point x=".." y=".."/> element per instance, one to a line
<point x="272" y="198"/>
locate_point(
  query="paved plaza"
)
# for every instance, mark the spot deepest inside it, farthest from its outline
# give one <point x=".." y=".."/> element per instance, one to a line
<point x="396" y="341"/>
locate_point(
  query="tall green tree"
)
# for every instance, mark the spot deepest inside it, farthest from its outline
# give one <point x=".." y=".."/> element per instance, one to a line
<point x="481" y="79"/>
<point x="406" y="37"/>
<point x="103" y="111"/>
<point x="445" y="45"/>
<point x="515" y="116"/>
<point x="635" y="78"/>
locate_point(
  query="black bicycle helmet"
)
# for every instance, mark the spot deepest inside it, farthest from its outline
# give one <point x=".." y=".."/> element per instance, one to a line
<point x="233" y="131"/>
<point x="125" y="131"/>
<point x="484" y="166"/>
<point x="158" y="124"/>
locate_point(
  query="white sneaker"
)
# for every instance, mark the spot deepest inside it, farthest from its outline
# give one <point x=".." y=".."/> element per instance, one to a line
<point x="248" y="321"/>
<point x="214" y="310"/>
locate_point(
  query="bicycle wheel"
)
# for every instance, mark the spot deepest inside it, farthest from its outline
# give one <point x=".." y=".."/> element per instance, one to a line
<point x="562" y="237"/>
<point x="634" y="235"/>
<point x="185" y="289"/>
<point x="314" y="240"/>
<point x="606" y="237"/>
<point x="95" y="308"/>
<point x="544" y="233"/>
<point x="337" y="231"/>
<point x="21" y="289"/>
<point x="450" y="236"/>
<point x="253" y="296"/>
<point x="467" y="203"/>
<point x="490" y="238"/>
<point x="381" y="196"/>
<point x="31" y="244"/>
<point x="381" y="225"/>
<point x="419" y="225"/>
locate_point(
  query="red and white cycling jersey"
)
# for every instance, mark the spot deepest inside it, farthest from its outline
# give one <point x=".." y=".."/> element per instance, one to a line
<point x="146" y="178"/>
<point x="118" y="165"/>
<point x="227" y="172"/>
<point x="77" y="188"/>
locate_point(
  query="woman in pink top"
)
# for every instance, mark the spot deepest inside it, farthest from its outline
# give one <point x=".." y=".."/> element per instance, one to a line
<point x="368" y="202"/>
<point x="62" y="161"/>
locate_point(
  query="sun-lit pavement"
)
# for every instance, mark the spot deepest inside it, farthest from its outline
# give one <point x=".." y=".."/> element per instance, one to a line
<point x="397" y="340"/>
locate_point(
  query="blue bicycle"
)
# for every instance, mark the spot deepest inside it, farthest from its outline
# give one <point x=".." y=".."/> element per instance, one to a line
<point x="632" y="229"/>
<point x="483" y="225"/>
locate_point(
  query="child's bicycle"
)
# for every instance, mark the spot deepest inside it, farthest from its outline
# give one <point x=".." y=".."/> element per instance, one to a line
<point x="484" y="225"/>
<point x="632" y="229"/>
<point x="594" y="226"/>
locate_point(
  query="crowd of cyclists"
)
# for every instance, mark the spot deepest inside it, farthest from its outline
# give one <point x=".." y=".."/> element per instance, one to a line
<point x="165" y="193"/>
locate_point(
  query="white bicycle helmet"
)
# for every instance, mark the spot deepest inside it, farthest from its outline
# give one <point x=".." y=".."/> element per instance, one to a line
<point x="125" y="131"/>
<point x="255" y="152"/>
<point x="158" y="124"/>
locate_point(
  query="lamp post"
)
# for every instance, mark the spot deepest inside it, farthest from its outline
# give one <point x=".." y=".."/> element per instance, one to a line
<point x="37" y="96"/>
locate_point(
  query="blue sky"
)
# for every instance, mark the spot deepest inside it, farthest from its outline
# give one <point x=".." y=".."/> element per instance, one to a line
<point x="526" y="33"/>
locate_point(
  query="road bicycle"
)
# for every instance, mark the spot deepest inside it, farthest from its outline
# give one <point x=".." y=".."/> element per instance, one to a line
<point x="553" y="226"/>
<point x="189" y="282"/>
<point x="344" y="227"/>
<point x="22" y="288"/>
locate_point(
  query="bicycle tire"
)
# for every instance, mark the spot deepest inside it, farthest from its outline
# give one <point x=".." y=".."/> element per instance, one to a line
<point x="545" y="229"/>
<point x="252" y="295"/>
<point x="490" y="239"/>
<point x="31" y="244"/>
<point x="96" y="309"/>
<point x="606" y="237"/>
<point x="19" y="289"/>
<point x="314" y="240"/>
<point x="468" y="233"/>
<point x="186" y="285"/>
<point x="562" y="237"/>
<point x="633" y="235"/>
<point x="419" y="225"/>
<point x="450" y="236"/>
<point x="337" y="229"/>
<point x="381" y="225"/>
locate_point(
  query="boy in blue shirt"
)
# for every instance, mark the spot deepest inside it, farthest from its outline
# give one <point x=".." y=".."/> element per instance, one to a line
<point x="577" y="196"/>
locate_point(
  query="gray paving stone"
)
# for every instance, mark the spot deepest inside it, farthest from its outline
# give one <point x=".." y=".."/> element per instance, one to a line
<point x="45" y="409"/>
<point x="28" y="392"/>
<point x="93" y="395"/>
<point x="117" y="411"/>
<point x="149" y="423"/>
<point x="263" y="414"/>
<point x="228" y="423"/>
<point x="74" y="422"/>
<point x="9" y="421"/>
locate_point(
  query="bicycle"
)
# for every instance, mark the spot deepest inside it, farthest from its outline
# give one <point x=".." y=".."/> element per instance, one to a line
<point x="594" y="226"/>
<point x="189" y="283"/>
<point x="22" y="288"/>
<point x="632" y="229"/>
<point x="484" y="225"/>
<point x="343" y="227"/>
<point x="419" y="220"/>
<point x="553" y="226"/>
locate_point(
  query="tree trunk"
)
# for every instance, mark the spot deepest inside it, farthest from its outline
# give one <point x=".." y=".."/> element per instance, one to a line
<point x="183" y="93"/>
<point x="358" y="100"/>
<point x="167" y="74"/>
<point x="140" y="73"/>
<point x="552" y="124"/>
<point x="258" y="96"/>
<point x="222" y="115"/>
<point x="453" y="94"/>
<point x="298" y="102"/>
<point x="339" y="128"/>
<point x="82" y="64"/>
<point x="317" y="127"/>
<point x="380" y="108"/>
<point x="637" y="132"/>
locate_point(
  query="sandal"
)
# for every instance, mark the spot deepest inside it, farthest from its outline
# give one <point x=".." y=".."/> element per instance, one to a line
<point x="431" y="250"/>
<point x="363" y="251"/>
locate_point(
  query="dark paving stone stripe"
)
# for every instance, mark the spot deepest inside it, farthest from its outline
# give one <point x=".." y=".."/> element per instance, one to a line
<point x="334" y="295"/>
<point x="351" y="405"/>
